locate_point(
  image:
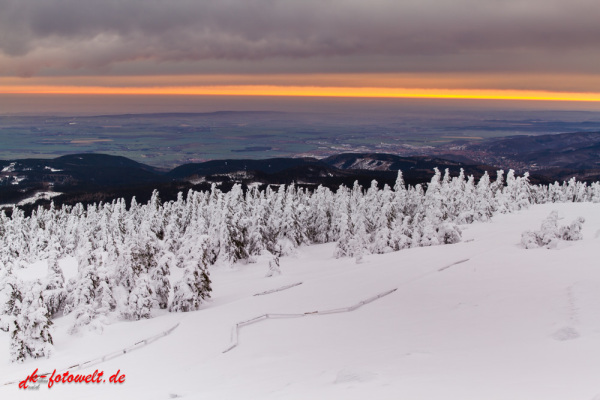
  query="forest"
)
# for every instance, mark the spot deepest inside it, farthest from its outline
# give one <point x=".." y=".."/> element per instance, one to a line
<point x="126" y="255"/>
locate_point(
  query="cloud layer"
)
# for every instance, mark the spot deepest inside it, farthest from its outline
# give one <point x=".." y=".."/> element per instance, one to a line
<point x="241" y="36"/>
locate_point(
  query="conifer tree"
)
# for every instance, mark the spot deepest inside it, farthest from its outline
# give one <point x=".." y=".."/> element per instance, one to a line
<point x="160" y="278"/>
<point x="30" y="325"/>
<point x="54" y="290"/>
<point x="191" y="291"/>
<point x="82" y="297"/>
<point x="141" y="299"/>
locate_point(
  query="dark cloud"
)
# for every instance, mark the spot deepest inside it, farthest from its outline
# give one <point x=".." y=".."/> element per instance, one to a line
<point x="297" y="35"/>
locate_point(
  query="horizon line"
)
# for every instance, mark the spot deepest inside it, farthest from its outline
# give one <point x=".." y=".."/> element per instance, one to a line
<point x="310" y="91"/>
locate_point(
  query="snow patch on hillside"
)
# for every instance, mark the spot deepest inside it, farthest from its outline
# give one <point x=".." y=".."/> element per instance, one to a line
<point x="39" y="196"/>
<point x="9" y="168"/>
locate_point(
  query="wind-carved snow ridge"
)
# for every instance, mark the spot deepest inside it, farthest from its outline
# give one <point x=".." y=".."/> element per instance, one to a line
<point x="454" y="263"/>
<point x="236" y="329"/>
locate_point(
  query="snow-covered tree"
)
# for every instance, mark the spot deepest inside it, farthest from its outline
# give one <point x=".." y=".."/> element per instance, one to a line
<point x="160" y="278"/>
<point x="141" y="300"/>
<point x="191" y="291"/>
<point x="29" y="325"/>
<point x="54" y="287"/>
<point x="81" y="298"/>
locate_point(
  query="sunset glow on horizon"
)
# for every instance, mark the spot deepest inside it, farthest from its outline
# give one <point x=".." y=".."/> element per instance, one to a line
<point x="309" y="91"/>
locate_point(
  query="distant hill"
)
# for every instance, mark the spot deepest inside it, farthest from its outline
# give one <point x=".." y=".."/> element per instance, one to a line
<point x="556" y="156"/>
<point x="579" y="150"/>
<point x="91" y="178"/>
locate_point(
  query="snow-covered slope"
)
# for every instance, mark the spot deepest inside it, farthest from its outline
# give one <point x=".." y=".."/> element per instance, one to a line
<point x="507" y="323"/>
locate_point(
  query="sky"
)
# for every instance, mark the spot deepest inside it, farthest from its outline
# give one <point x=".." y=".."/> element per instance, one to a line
<point x="465" y="49"/>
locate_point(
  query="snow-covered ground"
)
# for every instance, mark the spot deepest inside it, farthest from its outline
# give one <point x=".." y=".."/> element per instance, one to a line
<point x="508" y="323"/>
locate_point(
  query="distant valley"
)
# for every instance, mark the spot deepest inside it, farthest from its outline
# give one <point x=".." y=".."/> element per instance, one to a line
<point x="168" y="140"/>
<point x="90" y="177"/>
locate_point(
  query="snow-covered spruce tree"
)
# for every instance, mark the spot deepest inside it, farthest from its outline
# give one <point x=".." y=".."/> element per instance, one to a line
<point x="549" y="233"/>
<point x="12" y="323"/>
<point x="463" y="199"/>
<point x="274" y="208"/>
<point x="160" y="278"/>
<point x="401" y="236"/>
<point x="191" y="291"/>
<point x="104" y="301"/>
<point x="382" y="236"/>
<point x="359" y="242"/>
<point x="342" y="224"/>
<point x="141" y="299"/>
<point x="233" y="234"/>
<point x="399" y="208"/>
<point x="594" y="193"/>
<point x="257" y="221"/>
<point x="291" y="233"/>
<point x="319" y="216"/>
<point x="194" y="287"/>
<point x="517" y="193"/>
<point x="30" y="325"/>
<point x="55" y="293"/>
<point x="144" y="254"/>
<point x="214" y="222"/>
<point x="177" y="222"/>
<point x="428" y="233"/>
<point x="10" y="296"/>
<point x="81" y="299"/>
<point x="432" y="206"/>
<point x="484" y="200"/>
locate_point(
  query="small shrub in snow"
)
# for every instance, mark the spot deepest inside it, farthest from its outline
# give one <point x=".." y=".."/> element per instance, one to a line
<point x="529" y="240"/>
<point x="550" y="233"/>
<point x="273" y="266"/>
<point x="573" y="230"/>
<point x="449" y="233"/>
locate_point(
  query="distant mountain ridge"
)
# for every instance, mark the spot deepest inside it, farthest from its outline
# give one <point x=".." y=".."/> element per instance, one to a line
<point x="93" y="177"/>
<point x="96" y="177"/>
<point x="578" y="150"/>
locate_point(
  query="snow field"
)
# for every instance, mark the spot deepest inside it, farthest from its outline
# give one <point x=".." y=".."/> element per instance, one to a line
<point x="508" y="323"/>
